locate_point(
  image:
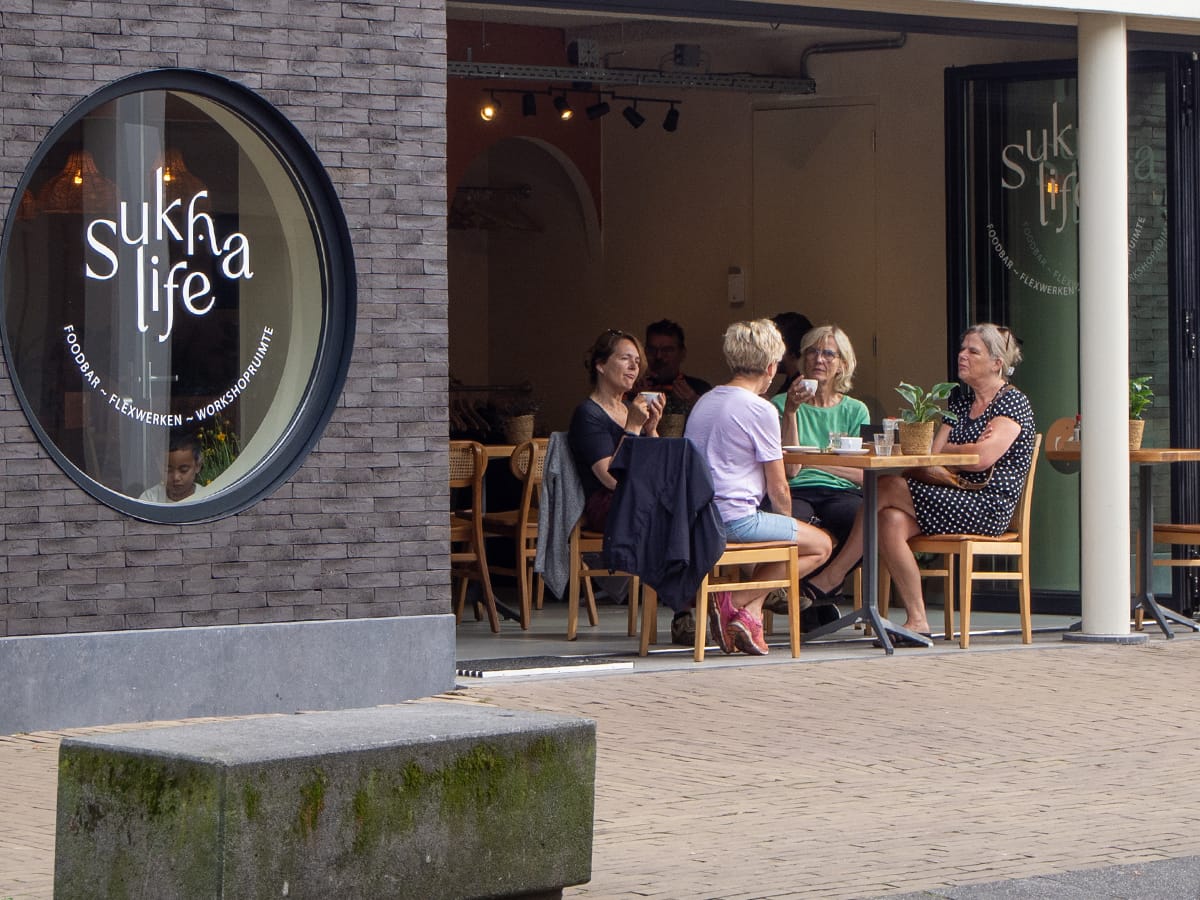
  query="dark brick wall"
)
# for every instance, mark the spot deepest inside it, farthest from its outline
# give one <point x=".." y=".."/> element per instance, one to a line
<point x="358" y="530"/>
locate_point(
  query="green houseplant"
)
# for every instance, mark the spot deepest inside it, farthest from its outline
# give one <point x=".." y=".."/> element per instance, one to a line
<point x="1141" y="395"/>
<point x="918" y="421"/>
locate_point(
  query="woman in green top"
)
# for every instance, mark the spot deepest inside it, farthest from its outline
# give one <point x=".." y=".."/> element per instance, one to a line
<point x="828" y="496"/>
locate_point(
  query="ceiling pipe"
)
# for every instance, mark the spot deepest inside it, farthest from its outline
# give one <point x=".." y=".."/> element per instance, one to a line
<point x="849" y="47"/>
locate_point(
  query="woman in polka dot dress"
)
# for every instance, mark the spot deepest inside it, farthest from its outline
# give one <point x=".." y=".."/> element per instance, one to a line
<point x="994" y="421"/>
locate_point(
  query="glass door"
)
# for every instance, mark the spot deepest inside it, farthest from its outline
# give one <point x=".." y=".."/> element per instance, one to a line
<point x="1013" y="208"/>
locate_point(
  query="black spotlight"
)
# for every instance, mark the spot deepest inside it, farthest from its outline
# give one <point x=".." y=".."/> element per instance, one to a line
<point x="633" y="117"/>
<point x="564" y="108"/>
<point x="598" y="109"/>
<point x="528" y="105"/>
<point x="671" y="121"/>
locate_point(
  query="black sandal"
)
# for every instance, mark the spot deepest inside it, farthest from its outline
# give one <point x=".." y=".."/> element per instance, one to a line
<point x="820" y="597"/>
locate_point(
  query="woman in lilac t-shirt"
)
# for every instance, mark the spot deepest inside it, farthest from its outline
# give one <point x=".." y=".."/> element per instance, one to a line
<point x="737" y="431"/>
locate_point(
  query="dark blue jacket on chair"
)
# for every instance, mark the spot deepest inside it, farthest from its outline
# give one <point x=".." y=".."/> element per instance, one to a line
<point x="663" y="526"/>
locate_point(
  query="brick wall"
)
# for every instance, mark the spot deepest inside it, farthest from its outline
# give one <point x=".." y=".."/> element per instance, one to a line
<point x="357" y="531"/>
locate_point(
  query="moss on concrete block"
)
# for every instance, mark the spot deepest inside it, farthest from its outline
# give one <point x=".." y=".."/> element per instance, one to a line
<point x="425" y="800"/>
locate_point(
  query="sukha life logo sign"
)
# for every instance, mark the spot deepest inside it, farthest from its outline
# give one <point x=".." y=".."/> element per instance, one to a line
<point x="1046" y="162"/>
<point x="160" y="286"/>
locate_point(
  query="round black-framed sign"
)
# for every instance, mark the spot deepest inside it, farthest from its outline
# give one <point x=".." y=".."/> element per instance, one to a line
<point x="177" y="296"/>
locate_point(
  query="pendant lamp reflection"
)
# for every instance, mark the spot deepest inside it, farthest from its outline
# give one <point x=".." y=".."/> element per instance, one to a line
<point x="178" y="182"/>
<point x="78" y="188"/>
<point x="27" y="208"/>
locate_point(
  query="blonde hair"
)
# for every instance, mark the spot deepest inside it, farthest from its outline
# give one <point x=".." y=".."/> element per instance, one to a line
<point x="751" y="347"/>
<point x="1001" y="344"/>
<point x="845" y="379"/>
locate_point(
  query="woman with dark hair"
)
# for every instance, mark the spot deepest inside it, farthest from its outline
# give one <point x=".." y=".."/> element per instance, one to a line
<point x="604" y="419"/>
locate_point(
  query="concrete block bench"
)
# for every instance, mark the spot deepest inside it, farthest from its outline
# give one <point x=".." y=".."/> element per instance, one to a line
<point x="424" y="800"/>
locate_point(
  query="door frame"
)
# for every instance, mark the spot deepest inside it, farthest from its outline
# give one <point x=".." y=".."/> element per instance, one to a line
<point x="1182" y="73"/>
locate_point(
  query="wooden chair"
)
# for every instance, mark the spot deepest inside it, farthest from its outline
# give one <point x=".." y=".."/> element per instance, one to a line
<point x="964" y="550"/>
<point x="736" y="554"/>
<point x="521" y="524"/>
<point x="1176" y="535"/>
<point x="468" y="462"/>
<point x="587" y="542"/>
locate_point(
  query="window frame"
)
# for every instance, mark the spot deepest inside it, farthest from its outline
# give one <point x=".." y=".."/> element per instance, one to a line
<point x="331" y="237"/>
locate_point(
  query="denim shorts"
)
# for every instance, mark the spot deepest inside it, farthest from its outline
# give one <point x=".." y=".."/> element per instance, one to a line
<point x="762" y="526"/>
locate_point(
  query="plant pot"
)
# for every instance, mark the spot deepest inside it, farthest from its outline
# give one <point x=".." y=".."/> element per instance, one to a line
<point x="518" y="429"/>
<point x="916" y="438"/>
<point x="671" y="425"/>
<point x="1137" y="428"/>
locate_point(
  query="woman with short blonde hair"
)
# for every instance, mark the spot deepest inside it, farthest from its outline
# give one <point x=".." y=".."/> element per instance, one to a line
<point x="737" y="432"/>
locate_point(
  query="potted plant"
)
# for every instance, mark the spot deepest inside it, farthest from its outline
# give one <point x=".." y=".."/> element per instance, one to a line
<point x="1141" y="395"/>
<point x="518" y="417"/>
<point x="917" y="423"/>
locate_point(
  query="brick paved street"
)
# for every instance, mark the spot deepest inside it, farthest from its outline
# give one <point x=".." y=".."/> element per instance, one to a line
<point x="844" y="778"/>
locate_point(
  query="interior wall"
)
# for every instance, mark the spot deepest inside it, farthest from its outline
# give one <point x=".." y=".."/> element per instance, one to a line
<point x="697" y="184"/>
<point x="677" y="211"/>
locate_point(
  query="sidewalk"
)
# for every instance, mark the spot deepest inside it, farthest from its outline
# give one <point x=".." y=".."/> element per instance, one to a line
<point x="847" y="777"/>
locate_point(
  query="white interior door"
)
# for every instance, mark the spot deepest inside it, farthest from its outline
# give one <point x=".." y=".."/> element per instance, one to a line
<point x="814" y="224"/>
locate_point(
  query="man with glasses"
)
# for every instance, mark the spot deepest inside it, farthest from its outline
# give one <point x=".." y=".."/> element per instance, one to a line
<point x="665" y="353"/>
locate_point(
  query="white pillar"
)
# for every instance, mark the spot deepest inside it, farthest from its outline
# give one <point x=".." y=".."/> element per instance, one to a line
<point x="1104" y="324"/>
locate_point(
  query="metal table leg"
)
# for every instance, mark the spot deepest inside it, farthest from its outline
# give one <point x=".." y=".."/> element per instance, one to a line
<point x="1144" y="599"/>
<point x="869" y="613"/>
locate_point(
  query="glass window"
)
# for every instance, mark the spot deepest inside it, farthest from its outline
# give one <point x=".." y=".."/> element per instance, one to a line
<point x="1017" y="258"/>
<point x="178" y="296"/>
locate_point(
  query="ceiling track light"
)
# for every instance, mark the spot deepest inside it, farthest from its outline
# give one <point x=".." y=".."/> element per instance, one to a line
<point x="489" y="109"/>
<point x="599" y="109"/>
<point x="563" y="107"/>
<point x="671" y="120"/>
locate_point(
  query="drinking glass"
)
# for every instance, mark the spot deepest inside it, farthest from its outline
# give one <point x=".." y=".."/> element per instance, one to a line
<point x="835" y="439"/>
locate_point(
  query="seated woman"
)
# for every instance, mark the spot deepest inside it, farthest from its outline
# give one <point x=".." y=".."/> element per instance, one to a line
<point x="828" y="496"/>
<point x="602" y="421"/>
<point x="995" y="421"/>
<point x="737" y="431"/>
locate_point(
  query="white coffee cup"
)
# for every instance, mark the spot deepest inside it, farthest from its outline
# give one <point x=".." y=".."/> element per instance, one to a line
<point x="849" y="443"/>
<point x="650" y="396"/>
<point x="809" y="385"/>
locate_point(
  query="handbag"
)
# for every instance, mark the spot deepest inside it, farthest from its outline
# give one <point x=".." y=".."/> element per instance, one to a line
<point x="942" y="476"/>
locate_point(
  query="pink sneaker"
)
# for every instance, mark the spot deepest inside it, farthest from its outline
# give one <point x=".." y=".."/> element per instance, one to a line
<point x="720" y="613"/>
<point x="747" y="634"/>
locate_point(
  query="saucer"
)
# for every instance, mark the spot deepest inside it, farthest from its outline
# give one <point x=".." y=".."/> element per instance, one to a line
<point x="863" y="452"/>
<point x="802" y="448"/>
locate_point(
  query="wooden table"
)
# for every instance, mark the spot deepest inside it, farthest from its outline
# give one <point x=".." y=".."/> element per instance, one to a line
<point x="499" y="451"/>
<point x="872" y="467"/>
<point x="1145" y="459"/>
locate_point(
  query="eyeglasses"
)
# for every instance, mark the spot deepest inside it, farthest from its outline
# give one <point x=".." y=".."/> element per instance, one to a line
<point x="825" y="354"/>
